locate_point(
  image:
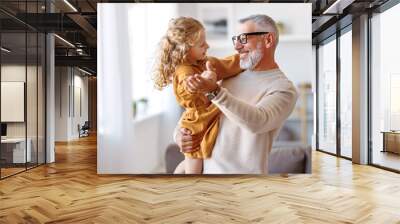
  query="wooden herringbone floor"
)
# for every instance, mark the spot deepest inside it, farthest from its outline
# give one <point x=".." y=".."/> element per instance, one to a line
<point x="70" y="191"/>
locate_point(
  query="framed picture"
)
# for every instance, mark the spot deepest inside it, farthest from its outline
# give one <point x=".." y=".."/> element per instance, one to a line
<point x="144" y="144"/>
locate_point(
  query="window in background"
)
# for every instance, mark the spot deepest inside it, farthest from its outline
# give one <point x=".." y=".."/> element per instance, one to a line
<point x="327" y="96"/>
<point x="394" y="102"/>
<point x="385" y="89"/>
<point x="346" y="94"/>
<point x="144" y="48"/>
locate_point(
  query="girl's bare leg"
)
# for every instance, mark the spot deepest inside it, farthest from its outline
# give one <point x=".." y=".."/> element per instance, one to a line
<point x="193" y="166"/>
<point x="180" y="169"/>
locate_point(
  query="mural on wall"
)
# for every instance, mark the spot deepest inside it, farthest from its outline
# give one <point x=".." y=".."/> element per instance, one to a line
<point x="143" y="123"/>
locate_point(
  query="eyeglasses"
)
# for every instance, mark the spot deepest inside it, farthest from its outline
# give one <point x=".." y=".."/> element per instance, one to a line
<point x="242" y="38"/>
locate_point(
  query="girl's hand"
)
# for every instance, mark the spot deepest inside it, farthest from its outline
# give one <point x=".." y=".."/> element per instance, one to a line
<point x="198" y="84"/>
<point x="210" y="72"/>
<point x="204" y="83"/>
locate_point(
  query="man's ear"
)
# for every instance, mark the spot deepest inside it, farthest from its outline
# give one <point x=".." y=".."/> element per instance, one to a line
<point x="269" y="40"/>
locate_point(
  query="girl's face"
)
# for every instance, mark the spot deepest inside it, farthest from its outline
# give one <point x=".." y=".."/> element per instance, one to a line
<point x="199" y="50"/>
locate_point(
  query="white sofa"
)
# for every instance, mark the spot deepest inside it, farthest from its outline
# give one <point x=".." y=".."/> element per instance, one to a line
<point x="285" y="157"/>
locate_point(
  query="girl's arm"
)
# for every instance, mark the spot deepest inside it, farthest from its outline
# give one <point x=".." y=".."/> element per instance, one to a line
<point x="226" y="67"/>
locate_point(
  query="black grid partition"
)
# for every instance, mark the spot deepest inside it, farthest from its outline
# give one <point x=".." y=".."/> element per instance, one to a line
<point x="23" y="88"/>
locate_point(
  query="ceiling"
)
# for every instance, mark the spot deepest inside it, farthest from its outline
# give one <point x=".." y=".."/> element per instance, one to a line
<point x="76" y="22"/>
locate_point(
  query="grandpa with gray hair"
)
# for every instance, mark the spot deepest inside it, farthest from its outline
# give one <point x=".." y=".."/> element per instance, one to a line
<point x="254" y="104"/>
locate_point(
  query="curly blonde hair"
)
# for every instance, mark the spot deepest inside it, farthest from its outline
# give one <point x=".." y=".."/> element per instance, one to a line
<point x="182" y="34"/>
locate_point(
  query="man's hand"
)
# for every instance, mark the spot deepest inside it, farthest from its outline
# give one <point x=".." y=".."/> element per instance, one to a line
<point x="187" y="142"/>
<point x="198" y="84"/>
<point x="203" y="83"/>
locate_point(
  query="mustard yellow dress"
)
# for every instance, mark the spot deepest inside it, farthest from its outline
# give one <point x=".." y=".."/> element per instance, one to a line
<point x="200" y="115"/>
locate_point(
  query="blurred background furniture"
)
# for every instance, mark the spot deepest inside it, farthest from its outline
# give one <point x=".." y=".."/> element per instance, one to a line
<point x="84" y="130"/>
<point x="285" y="157"/>
<point x="299" y="125"/>
<point x="13" y="151"/>
<point x="391" y="141"/>
<point x="305" y="110"/>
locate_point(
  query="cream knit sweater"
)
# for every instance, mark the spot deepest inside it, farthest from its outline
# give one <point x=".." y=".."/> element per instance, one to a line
<point x="254" y="107"/>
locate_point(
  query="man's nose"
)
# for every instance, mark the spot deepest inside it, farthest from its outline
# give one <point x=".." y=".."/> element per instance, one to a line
<point x="238" y="45"/>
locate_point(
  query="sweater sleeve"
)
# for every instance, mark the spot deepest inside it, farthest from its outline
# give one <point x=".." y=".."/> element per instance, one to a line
<point x="226" y="67"/>
<point x="268" y="114"/>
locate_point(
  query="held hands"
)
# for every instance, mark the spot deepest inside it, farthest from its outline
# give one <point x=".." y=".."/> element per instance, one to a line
<point x="209" y="73"/>
<point x="203" y="83"/>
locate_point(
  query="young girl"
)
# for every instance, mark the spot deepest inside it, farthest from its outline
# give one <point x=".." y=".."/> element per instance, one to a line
<point x="182" y="54"/>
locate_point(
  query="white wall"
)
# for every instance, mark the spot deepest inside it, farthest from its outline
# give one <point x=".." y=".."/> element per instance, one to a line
<point x="67" y="81"/>
<point x="128" y="144"/>
<point x="15" y="72"/>
<point x="12" y="73"/>
<point x="80" y="83"/>
<point x="294" y="53"/>
<point x="61" y="103"/>
<point x="33" y="126"/>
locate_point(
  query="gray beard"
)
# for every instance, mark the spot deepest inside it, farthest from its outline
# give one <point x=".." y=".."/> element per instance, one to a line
<point x="252" y="59"/>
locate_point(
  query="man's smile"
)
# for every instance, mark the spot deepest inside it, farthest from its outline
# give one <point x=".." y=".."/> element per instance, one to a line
<point x="243" y="54"/>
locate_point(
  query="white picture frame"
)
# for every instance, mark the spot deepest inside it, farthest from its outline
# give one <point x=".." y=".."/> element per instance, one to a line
<point x="12" y="101"/>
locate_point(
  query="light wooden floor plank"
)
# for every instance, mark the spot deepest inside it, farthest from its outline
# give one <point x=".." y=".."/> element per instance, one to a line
<point x="70" y="191"/>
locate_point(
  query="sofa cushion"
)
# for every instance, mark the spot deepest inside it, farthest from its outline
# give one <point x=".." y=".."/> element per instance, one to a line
<point x="173" y="157"/>
<point x="285" y="157"/>
<point x="290" y="157"/>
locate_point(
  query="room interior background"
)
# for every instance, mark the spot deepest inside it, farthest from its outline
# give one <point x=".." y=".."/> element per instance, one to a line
<point x="22" y="100"/>
<point x="20" y="47"/>
<point x="135" y="121"/>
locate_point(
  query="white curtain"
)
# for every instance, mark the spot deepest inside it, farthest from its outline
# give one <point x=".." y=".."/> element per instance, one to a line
<point x="127" y="39"/>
